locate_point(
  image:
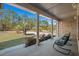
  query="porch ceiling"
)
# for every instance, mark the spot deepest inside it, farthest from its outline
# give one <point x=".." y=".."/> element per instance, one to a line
<point x="58" y="11"/>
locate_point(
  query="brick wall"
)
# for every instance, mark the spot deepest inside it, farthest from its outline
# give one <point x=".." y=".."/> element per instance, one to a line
<point x="78" y="28"/>
<point x="69" y="25"/>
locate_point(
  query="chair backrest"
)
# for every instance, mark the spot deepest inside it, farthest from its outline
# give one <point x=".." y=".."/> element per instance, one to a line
<point x="66" y="38"/>
<point x="63" y="41"/>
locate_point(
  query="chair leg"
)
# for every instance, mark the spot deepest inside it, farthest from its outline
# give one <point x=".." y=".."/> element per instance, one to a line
<point x="64" y="48"/>
<point x="69" y="51"/>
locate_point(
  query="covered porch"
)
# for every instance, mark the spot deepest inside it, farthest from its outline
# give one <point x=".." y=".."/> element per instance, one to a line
<point x="45" y="49"/>
<point x="67" y="17"/>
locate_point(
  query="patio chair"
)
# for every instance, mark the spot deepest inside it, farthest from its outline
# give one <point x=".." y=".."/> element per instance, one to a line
<point x="45" y="37"/>
<point x="42" y="37"/>
<point x="60" y="43"/>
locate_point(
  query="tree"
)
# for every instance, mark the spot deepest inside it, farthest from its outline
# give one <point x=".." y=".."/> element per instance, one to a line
<point x="11" y="20"/>
<point x="7" y="19"/>
<point x="44" y="25"/>
<point x="31" y="24"/>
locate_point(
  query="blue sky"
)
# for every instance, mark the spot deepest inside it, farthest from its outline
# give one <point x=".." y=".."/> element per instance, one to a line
<point x="17" y="10"/>
<point x="20" y="11"/>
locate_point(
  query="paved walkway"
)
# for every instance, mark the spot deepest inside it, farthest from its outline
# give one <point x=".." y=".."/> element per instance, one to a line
<point x="45" y="49"/>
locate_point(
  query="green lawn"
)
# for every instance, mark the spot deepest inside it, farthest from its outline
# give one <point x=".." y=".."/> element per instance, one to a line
<point x="10" y="38"/>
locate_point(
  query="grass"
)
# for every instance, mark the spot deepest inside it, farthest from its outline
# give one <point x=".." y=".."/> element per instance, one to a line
<point x="10" y="38"/>
<point x="9" y="35"/>
<point x="11" y="43"/>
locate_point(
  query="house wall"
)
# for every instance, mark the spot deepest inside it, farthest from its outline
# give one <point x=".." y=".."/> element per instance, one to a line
<point x="78" y="28"/>
<point x="69" y="25"/>
<point x="78" y="35"/>
<point x="66" y="26"/>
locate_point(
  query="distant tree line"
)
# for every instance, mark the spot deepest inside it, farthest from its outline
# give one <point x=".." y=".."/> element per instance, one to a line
<point x="11" y="20"/>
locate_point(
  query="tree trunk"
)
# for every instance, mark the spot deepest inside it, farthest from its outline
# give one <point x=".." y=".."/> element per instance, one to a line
<point x="3" y="27"/>
<point x="25" y="31"/>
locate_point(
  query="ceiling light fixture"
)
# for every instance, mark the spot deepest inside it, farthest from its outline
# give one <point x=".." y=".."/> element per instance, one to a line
<point x="75" y="17"/>
<point x="74" y="5"/>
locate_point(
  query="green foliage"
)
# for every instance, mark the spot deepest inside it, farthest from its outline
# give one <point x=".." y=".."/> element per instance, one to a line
<point x="22" y="21"/>
<point x="7" y="20"/>
<point x="19" y="25"/>
<point x="31" y="24"/>
<point x="44" y="23"/>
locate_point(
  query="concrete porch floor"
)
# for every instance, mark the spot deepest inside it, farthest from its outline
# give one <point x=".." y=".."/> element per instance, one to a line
<point x="45" y="49"/>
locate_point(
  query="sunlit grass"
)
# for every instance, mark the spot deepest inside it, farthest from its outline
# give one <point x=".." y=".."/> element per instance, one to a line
<point x="9" y="35"/>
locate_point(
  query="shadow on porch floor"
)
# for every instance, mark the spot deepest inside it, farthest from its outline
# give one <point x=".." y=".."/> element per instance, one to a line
<point x="45" y="49"/>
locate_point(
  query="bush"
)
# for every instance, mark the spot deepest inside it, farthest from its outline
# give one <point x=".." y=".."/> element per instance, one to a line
<point x="44" y="37"/>
<point x="29" y="41"/>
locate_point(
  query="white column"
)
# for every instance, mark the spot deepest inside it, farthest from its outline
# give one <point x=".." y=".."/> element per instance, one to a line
<point x="52" y="28"/>
<point x="37" y="29"/>
<point x="58" y="28"/>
